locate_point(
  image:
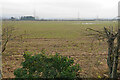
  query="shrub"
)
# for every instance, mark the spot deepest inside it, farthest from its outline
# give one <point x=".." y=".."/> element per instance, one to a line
<point x="44" y="66"/>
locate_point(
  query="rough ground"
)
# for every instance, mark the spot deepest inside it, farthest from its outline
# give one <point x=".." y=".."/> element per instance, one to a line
<point x="93" y="63"/>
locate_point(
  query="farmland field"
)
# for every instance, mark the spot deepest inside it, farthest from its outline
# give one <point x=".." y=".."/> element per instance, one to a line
<point x="68" y="38"/>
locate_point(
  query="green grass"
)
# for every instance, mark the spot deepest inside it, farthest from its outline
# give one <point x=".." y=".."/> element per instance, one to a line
<point x="72" y="31"/>
<point x="56" y="29"/>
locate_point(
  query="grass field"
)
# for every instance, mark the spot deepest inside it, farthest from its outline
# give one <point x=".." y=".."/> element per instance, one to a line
<point x="65" y="37"/>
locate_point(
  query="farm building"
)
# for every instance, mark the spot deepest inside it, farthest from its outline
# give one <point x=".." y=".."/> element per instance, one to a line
<point x="27" y="18"/>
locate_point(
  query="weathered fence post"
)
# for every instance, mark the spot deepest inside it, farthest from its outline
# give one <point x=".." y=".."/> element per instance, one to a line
<point x="116" y="55"/>
<point x="110" y="40"/>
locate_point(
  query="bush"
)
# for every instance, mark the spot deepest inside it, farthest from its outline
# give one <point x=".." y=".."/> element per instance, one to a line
<point x="44" y="66"/>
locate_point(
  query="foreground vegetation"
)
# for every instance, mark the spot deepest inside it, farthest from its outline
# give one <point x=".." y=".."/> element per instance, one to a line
<point x="44" y="66"/>
<point x="69" y="38"/>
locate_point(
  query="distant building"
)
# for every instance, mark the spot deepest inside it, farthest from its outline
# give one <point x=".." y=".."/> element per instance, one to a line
<point x="27" y="18"/>
<point x="12" y="18"/>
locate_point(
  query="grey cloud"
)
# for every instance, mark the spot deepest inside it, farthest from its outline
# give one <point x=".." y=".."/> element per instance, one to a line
<point x="60" y="8"/>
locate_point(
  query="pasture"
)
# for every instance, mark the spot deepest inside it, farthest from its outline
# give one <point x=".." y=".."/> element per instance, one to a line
<point x="68" y="38"/>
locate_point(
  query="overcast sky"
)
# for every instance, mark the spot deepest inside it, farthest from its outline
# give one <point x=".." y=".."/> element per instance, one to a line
<point x="60" y="8"/>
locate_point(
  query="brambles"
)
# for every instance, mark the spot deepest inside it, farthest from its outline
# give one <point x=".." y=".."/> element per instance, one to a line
<point x="44" y="66"/>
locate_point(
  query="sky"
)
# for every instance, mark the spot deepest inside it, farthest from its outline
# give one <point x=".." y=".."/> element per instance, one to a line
<point x="59" y="8"/>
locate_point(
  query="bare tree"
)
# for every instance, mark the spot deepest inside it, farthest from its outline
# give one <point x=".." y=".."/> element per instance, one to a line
<point x="8" y="33"/>
<point x="113" y="50"/>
